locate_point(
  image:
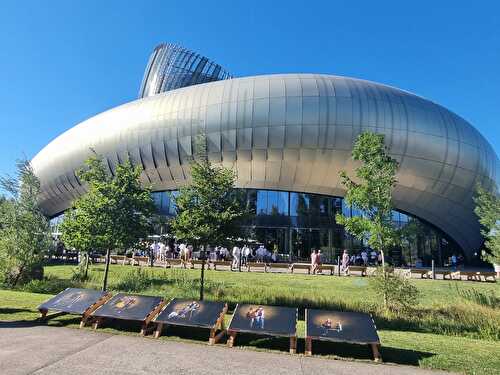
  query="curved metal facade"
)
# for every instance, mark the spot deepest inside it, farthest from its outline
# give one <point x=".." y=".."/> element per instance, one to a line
<point x="291" y="132"/>
<point x="171" y="67"/>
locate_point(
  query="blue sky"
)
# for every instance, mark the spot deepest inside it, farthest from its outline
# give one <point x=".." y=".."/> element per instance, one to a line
<point x="64" y="61"/>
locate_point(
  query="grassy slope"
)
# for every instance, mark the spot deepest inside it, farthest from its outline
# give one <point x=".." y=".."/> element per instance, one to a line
<point x="433" y="338"/>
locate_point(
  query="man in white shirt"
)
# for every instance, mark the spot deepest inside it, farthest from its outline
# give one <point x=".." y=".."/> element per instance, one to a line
<point x="236" y="257"/>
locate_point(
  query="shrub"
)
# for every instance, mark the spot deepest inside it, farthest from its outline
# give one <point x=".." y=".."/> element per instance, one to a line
<point x="135" y="280"/>
<point x="48" y="285"/>
<point x="398" y="294"/>
<point x="481" y="298"/>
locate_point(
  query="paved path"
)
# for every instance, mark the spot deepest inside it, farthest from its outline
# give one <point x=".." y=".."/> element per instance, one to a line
<point x="53" y="350"/>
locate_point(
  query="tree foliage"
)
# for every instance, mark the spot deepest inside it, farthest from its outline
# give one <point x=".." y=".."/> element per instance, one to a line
<point x="208" y="208"/>
<point x="372" y="194"/>
<point x="488" y="212"/>
<point x="24" y="230"/>
<point x="114" y="213"/>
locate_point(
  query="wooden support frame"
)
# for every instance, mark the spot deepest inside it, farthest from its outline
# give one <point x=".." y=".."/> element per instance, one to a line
<point x="86" y="315"/>
<point x="217" y="332"/>
<point x="145" y="327"/>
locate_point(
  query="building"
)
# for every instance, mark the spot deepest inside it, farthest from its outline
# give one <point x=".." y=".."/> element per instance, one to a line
<point x="288" y="136"/>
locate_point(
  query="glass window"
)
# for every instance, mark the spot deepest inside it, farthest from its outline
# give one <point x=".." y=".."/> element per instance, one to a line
<point x="261" y="202"/>
<point x="299" y="204"/>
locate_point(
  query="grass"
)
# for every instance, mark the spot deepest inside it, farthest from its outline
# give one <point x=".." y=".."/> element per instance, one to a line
<point x="456" y="325"/>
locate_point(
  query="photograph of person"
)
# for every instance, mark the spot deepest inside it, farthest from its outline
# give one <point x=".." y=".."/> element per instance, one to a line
<point x="327" y="328"/>
<point x="125" y="303"/>
<point x="256" y="316"/>
<point x="185" y="312"/>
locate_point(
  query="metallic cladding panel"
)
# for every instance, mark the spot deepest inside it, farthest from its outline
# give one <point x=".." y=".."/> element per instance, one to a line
<point x="286" y="132"/>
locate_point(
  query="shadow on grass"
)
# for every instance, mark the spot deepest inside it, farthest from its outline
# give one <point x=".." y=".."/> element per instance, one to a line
<point x="8" y="310"/>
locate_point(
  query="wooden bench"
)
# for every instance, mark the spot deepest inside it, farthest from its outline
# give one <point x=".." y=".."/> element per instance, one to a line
<point x="194" y="262"/>
<point x="251" y="265"/>
<point x="219" y="263"/>
<point x="444" y="273"/>
<point x="300" y="266"/>
<point x="424" y="273"/>
<point x="118" y="258"/>
<point x="173" y="262"/>
<point x="279" y="266"/>
<point x="138" y="260"/>
<point x="474" y="275"/>
<point x="403" y="272"/>
<point x="361" y="269"/>
<point x="327" y="267"/>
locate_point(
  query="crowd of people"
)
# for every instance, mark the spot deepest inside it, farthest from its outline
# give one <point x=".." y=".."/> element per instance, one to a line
<point x="240" y="256"/>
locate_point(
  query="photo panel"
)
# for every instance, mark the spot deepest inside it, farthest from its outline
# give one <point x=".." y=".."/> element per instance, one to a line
<point x="263" y="319"/>
<point x="128" y="307"/>
<point x="190" y="312"/>
<point x="73" y="300"/>
<point x="351" y="327"/>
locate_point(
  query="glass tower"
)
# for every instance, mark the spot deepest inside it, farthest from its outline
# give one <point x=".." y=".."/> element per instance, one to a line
<point x="171" y="66"/>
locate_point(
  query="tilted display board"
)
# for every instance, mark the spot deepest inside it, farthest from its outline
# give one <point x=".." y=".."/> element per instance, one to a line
<point x="129" y="307"/>
<point x="75" y="301"/>
<point x="264" y="320"/>
<point x="348" y="327"/>
<point x="185" y="312"/>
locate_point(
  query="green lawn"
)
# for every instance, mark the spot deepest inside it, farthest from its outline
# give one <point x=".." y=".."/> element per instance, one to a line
<point x="446" y="330"/>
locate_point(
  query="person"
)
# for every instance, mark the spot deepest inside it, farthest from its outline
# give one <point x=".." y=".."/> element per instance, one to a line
<point x="274" y="257"/>
<point x="246" y="254"/>
<point x="319" y="261"/>
<point x="314" y="262"/>
<point x="379" y="258"/>
<point x="260" y="253"/>
<point x="183" y="254"/>
<point x="454" y="262"/>
<point x="364" y="257"/>
<point x="163" y="252"/>
<point x="345" y="262"/>
<point x="373" y="257"/>
<point x="236" y="257"/>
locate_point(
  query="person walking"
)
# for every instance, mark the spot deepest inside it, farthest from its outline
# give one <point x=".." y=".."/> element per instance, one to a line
<point x="236" y="257"/>
<point x="345" y="262"/>
<point x="314" y="262"/>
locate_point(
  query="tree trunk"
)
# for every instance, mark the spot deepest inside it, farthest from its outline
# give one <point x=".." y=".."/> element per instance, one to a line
<point x="106" y="270"/>
<point x="87" y="259"/>
<point x="202" y="279"/>
<point x="385" y="277"/>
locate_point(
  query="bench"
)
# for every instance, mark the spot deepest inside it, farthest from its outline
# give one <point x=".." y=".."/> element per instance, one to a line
<point x="194" y="262"/>
<point x="300" y="266"/>
<point x="219" y="263"/>
<point x="327" y="267"/>
<point x="279" y="266"/>
<point x="118" y="258"/>
<point x="444" y="273"/>
<point x="173" y="262"/>
<point x="474" y="275"/>
<point x="251" y="265"/>
<point x="138" y="260"/>
<point x="424" y="273"/>
<point x="361" y="269"/>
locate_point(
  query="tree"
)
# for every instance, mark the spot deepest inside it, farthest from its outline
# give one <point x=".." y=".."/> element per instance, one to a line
<point x="372" y="195"/>
<point x="488" y="212"/>
<point x="208" y="208"/>
<point x="24" y="230"/>
<point x="115" y="212"/>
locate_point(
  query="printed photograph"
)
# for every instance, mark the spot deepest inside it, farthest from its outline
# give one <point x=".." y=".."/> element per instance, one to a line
<point x="73" y="300"/>
<point x="264" y="319"/>
<point x="128" y="306"/>
<point x="341" y="326"/>
<point x="191" y="313"/>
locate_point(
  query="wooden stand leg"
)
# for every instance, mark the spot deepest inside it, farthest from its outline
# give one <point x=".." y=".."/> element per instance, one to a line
<point x="376" y="353"/>
<point x="97" y="323"/>
<point x="293" y="344"/>
<point x="159" y="328"/>
<point x="308" y="346"/>
<point x="43" y="314"/>
<point x="231" y="339"/>
<point x="144" y="329"/>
